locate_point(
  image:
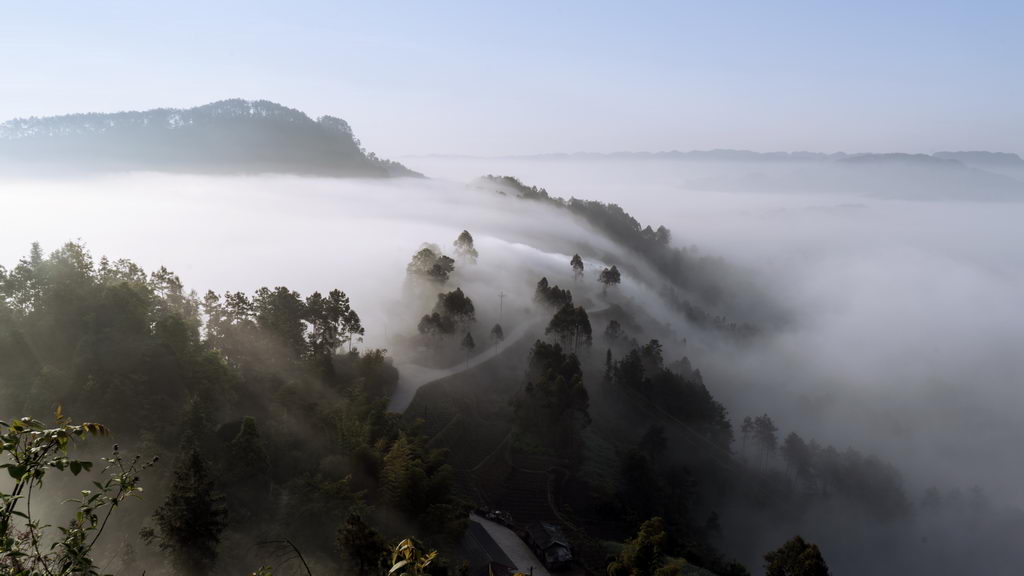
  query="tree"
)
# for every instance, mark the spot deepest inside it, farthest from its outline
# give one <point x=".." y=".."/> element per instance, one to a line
<point x="435" y="326"/>
<point x="456" y="307"/>
<point x="577" y="267"/>
<point x="613" y="331"/>
<point x="552" y="296"/>
<point x="464" y="248"/>
<point x="683" y="396"/>
<point x="746" y="429"/>
<point x="248" y="472"/>
<point x="554" y="395"/>
<point x="430" y="264"/>
<point x="333" y="323"/>
<point x="609" y="277"/>
<point x="453" y="312"/>
<point x="644" y="553"/>
<point x="797" y="557"/>
<point x="497" y="335"/>
<point x="654" y="443"/>
<point x="192" y="518"/>
<point x="351" y="327"/>
<point x="764" y="433"/>
<point x="397" y="472"/>
<point x="796" y="454"/>
<point x="246" y="451"/>
<point x="324" y="316"/>
<point x="29" y="451"/>
<point x="468" y="345"/>
<point x="361" y="545"/>
<point x="663" y="236"/>
<point x="571" y="326"/>
<point x="282" y="312"/>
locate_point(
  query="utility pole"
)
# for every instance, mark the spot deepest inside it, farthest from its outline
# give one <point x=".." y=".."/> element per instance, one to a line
<point x="501" y="305"/>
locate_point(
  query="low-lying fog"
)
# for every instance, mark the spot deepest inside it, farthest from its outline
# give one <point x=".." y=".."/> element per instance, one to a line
<point x="906" y="326"/>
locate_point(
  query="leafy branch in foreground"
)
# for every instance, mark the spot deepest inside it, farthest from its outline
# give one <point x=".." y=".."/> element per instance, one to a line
<point x="31" y="450"/>
<point x="406" y="560"/>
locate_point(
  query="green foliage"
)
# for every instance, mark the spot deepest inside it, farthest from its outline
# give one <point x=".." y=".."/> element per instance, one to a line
<point x="453" y="312"/>
<point x="333" y="323"/>
<point x="572" y="327"/>
<point x="554" y="404"/>
<point x="133" y="349"/>
<point x="435" y="325"/>
<point x="796" y="557"/>
<point x="248" y="457"/>
<point x="576" y="263"/>
<point x="468" y="344"/>
<point x="497" y="335"/>
<point x="408" y="560"/>
<point x="764" y="434"/>
<point x="644" y="553"/>
<point x="613" y="332"/>
<point x="417" y="482"/>
<point x="643" y="370"/>
<point x="192" y="518"/>
<point x="456" y="307"/>
<point x="232" y="136"/>
<point x="247" y="471"/>
<point x="429" y="264"/>
<point x="610" y="277"/>
<point x="282" y="312"/>
<point x="688" y="272"/>
<point x="551" y="296"/>
<point x="31" y="451"/>
<point x="361" y="546"/>
<point x="464" y="248"/>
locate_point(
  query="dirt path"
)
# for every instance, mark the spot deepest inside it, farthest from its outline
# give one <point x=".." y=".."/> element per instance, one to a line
<point x="413" y="376"/>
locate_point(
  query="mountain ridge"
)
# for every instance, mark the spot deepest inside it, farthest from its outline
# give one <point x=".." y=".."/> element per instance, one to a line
<point x="967" y="157"/>
<point x="234" y="135"/>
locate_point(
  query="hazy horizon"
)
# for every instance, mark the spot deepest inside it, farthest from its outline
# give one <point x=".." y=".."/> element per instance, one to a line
<point x="379" y="279"/>
<point x="455" y="78"/>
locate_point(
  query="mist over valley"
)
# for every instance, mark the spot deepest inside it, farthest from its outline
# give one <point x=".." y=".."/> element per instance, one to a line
<point x="664" y="290"/>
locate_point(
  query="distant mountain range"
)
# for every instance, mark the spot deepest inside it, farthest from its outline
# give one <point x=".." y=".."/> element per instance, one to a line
<point x="967" y="176"/>
<point x="979" y="158"/>
<point x="255" y="137"/>
<point x="231" y="136"/>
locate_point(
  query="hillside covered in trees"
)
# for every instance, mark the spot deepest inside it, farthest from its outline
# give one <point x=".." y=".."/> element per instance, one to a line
<point x="230" y="136"/>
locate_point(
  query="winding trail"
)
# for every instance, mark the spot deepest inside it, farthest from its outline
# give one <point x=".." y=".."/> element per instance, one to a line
<point x="413" y="376"/>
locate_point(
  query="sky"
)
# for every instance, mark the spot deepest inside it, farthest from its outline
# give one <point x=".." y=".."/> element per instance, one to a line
<point x="536" y="77"/>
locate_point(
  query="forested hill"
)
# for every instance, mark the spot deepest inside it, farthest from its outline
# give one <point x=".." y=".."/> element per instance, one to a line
<point x="231" y="136"/>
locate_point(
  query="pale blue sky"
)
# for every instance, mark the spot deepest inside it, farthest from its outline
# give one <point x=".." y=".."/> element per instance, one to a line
<point x="525" y="77"/>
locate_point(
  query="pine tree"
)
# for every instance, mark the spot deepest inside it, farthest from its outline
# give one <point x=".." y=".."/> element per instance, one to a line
<point x="797" y="557"/>
<point x="464" y="248"/>
<point x="577" y="267"/>
<point x="361" y="545"/>
<point x="396" y="471"/>
<point x="192" y="518"/>
<point x="609" y="277"/>
<point x="468" y="344"/>
<point x="497" y="335"/>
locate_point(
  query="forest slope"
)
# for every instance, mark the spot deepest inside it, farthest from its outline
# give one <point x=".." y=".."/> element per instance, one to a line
<point x="230" y="136"/>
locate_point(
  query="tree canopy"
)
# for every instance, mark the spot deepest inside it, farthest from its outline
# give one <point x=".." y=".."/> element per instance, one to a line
<point x="796" y="557"/>
<point x="431" y="265"/>
<point x="610" y="277"/>
<point x="464" y="248"/>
